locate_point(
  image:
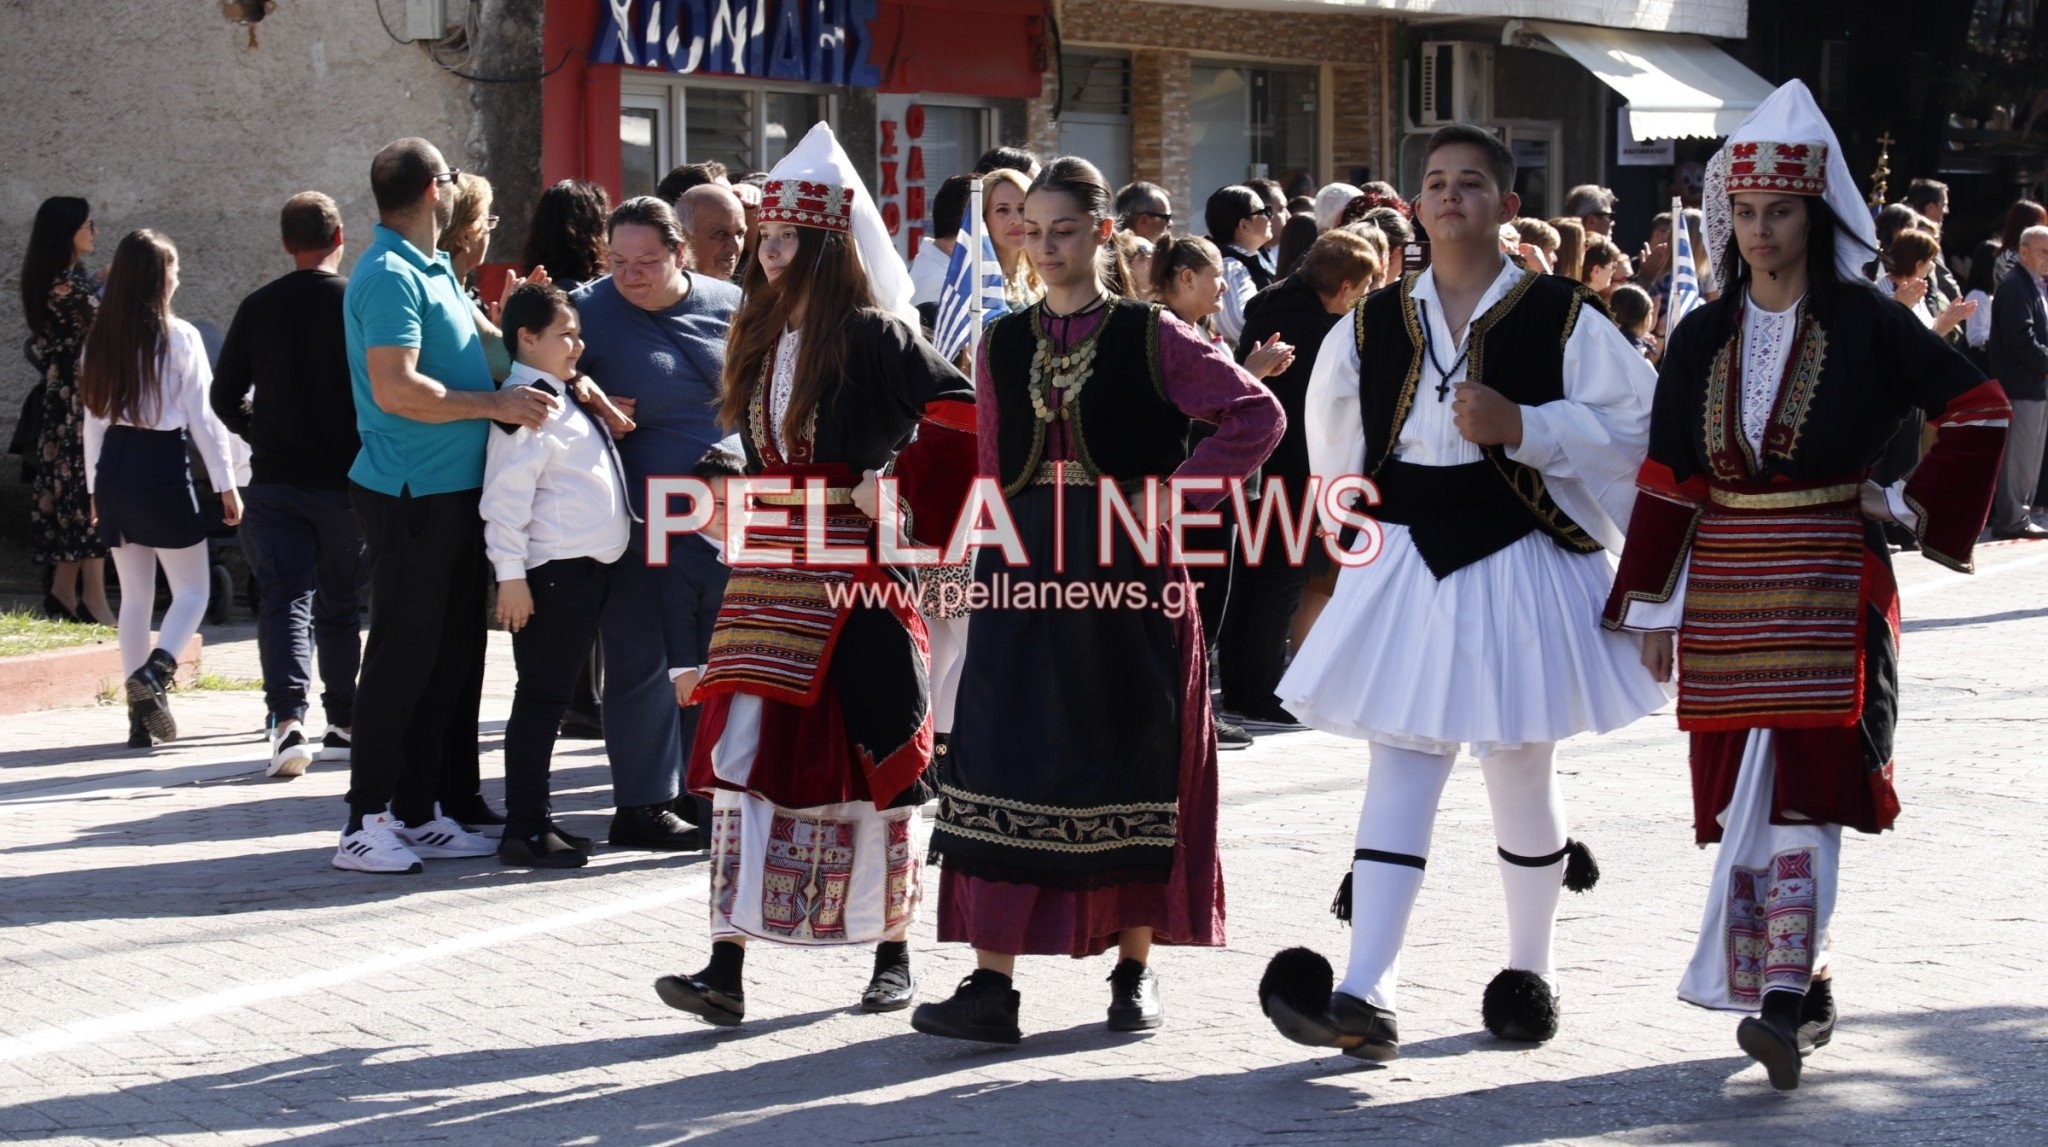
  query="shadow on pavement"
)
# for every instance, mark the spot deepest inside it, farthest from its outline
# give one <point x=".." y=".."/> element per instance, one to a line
<point x="1984" y="1060"/>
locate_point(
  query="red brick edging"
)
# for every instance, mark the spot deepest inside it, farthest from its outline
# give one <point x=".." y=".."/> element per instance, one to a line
<point x="62" y="678"/>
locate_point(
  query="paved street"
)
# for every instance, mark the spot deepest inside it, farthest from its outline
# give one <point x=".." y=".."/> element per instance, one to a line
<point x="179" y="961"/>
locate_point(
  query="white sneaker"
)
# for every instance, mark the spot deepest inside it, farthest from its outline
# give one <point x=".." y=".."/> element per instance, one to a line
<point x="289" y="753"/>
<point x="375" y="847"/>
<point x="441" y="838"/>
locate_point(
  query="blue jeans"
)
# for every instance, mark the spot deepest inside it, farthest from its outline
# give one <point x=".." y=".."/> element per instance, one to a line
<point x="306" y="551"/>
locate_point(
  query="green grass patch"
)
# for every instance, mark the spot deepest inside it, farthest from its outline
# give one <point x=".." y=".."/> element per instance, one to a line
<point x="24" y="632"/>
<point x="215" y="681"/>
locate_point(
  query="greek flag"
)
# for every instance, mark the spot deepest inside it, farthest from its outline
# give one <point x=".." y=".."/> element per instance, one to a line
<point x="973" y="291"/>
<point x="1685" y="281"/>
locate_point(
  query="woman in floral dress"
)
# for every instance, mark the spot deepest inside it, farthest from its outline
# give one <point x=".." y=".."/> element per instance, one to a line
<point x="60" y="297"/>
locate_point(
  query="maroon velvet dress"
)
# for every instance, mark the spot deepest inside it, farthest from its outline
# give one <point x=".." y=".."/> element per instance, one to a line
<point x="1186" y="906"/>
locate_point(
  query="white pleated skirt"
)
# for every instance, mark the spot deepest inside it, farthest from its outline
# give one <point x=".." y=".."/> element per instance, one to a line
<point x="1506" y="652"/>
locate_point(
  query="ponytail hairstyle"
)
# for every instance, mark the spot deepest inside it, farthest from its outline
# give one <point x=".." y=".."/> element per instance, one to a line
<point x="827" y="280"/>
<point x="123" y="356"/>
<point x="1174" y="254"/>
<point x="1080" y="181"/>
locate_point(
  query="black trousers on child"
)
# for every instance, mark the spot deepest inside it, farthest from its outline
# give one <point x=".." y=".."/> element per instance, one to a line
<point x="549" y="652"/>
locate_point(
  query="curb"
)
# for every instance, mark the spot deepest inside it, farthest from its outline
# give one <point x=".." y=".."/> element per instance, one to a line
<point x="67" y="678"/>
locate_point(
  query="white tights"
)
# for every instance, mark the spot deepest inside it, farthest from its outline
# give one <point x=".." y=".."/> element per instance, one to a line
<point x="949" y="655"/>
<point x="191" y="581"/>
<point x="1399" y="812"/>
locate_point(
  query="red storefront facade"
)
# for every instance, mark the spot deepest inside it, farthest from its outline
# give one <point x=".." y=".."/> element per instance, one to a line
<point x="910" y="86"/>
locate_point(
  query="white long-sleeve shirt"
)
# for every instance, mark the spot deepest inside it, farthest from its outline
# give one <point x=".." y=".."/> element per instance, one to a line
<point x="1238" y="289"/>
<point x="183" y="376"/>
<point x="553" y="492"/>
<point x="1587" y="445"/>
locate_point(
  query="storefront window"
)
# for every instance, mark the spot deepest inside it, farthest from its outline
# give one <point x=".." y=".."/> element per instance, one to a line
<point x="1248" y="122"/>
<point x="639" y="150"/>
<point x="744" y="128"/>
<point x="1095" y="117"/>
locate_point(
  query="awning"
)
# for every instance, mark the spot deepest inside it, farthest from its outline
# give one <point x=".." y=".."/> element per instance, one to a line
<point x="1677" y="87"/>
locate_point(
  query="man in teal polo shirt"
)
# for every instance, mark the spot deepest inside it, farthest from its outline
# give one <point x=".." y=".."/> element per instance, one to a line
<point x="424" y="400"/>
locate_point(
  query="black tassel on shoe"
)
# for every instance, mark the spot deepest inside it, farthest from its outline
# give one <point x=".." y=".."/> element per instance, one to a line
<point x="1341" y="906"/>
<point x="1581" y="872"/>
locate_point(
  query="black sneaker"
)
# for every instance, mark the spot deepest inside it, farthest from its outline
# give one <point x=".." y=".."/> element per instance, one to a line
<point x="983" y="1009"/>
<point x="148" y="690"/>
<point x="1229" y="736"/>
<point x="1134" y="998"/>
<point x="334" y="747"/>
<point x="1270" y="718"/>
<point x="655" y="827"/>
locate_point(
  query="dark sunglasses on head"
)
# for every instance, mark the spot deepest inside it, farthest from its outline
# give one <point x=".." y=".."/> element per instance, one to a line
<point x="449" y="176"/>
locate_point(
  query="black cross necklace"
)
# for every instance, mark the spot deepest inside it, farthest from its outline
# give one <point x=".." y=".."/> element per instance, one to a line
<point x="1443" y="377"/>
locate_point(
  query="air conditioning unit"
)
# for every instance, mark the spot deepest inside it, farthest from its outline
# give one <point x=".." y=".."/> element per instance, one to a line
<point x="1454" y="83"/>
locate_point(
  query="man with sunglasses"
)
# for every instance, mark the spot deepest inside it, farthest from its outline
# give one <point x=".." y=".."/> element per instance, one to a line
<point x="1594" y="206"/>
<point x="424" y="398"/>
<point x="1145" y="210"/>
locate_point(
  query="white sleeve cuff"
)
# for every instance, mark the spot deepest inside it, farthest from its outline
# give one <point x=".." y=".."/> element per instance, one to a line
<point x="510" y="570"/>
<point x="675" y="673"/>
<point x="1538" y="449"/>
<point x="1895" y="497"/>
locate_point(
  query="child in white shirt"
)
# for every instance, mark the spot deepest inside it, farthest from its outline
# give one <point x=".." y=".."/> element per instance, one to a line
<point x="555" y="525"/>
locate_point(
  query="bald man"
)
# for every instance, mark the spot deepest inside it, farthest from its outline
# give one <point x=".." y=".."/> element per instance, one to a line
<point x="715" y="228"/>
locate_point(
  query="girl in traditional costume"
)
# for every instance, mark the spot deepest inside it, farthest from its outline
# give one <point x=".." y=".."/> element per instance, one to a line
<point x="816" y="727"/>
<point x="1757" y="538"/>
<point x="1078" y="806"/>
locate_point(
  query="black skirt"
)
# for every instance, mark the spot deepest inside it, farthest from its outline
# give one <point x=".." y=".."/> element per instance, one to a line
<point x="1065" y="759"/>
<point x="143" y="490"/>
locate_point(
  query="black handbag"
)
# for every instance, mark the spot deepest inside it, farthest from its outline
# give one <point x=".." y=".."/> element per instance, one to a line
<point x="28" y="429"/>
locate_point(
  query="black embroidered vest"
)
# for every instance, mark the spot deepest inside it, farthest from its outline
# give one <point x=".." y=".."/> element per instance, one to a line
<point x="1120" y="424"/>
<point x="1457" y="515"/>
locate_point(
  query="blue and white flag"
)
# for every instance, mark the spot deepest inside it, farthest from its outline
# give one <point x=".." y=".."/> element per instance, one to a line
<point x="973" y="291"/>
<point x="1685" y="280"/>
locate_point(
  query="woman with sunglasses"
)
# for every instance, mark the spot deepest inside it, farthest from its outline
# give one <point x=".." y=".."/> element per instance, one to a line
<point x="1240" y="224"/>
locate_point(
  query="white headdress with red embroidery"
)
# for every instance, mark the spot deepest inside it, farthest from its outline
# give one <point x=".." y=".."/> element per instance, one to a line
<point x="816" y="185"/>
<point x="1786" y="147"/>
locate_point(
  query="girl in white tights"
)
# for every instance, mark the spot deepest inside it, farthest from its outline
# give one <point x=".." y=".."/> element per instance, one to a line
<point x="142" y="380"/>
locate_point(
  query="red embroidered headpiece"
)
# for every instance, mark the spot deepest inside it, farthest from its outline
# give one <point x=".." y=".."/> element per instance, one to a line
<point x="1786" y="168"/>
<point x="807" y="204"/>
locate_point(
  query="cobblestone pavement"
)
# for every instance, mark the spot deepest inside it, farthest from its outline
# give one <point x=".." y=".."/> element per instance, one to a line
<point x="179" y="961"/>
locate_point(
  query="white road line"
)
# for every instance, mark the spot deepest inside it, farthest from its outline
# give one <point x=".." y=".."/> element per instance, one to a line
<point x="242" y="996"/>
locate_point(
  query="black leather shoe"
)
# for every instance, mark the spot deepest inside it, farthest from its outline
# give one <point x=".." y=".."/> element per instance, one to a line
<point x="1134" y="998"/>
<point x="891" y="990"/>
<point x="138" y="734"/>
<point x="692" y="995"/>
<point x="580" y="843"/>
<point x="983" y="1009"/>
<point x="1817" y="1017"/>
<point x="472" y="813"/>
<point x="148" y="690"/>
<point x="2027" y="531"/>
<point x="1372" y="1028"/>
<point x="582" y="726"/>
<point x="1774" y="1045"/>
<point x="542" y="850"/>
<point x="656" y="827"/>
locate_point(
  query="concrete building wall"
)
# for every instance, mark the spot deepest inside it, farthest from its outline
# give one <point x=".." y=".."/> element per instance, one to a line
<point x="163" y="115"/>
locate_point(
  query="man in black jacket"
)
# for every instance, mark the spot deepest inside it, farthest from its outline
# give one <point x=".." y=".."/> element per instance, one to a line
<point x="1301" y="308"/>
<point x="286" y="344"/>
<point x="2019" y="361"/>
